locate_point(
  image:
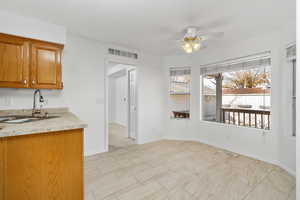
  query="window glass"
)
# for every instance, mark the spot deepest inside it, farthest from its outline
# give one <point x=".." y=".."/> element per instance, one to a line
<point x="238" y="95"/>
<point x="180" y="83"/>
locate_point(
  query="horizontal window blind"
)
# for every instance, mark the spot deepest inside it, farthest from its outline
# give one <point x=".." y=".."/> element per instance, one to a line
<point x="179" y="71"/>
<point x="291" y="52"/>
<point x="246" y="63"/>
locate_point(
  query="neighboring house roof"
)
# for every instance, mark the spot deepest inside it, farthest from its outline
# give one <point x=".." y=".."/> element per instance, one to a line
<point x="181" y="89"/>
<point x="246" y="91"/>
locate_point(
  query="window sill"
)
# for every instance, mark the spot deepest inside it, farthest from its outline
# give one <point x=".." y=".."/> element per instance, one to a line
<point x="235" y="126"/>
<point x="180" y="118"/>
<point x="290" y="137"/>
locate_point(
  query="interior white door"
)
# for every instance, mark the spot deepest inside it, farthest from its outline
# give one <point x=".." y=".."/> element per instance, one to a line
<point x="121" y="100"/>
<point x="132" y="103"/>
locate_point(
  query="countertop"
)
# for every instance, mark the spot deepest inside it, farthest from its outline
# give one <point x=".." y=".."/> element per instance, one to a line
<point x="65" y="121"/>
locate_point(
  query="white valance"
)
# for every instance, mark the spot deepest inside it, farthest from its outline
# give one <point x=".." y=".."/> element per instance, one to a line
<point x="291" y="52"/>
<point x="245" y="63"/>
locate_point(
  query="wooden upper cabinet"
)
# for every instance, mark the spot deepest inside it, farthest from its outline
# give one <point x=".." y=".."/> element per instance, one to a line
<point x="46" y="66"/>
<point x="14" y="62"/>
<point x="28" y="63"/>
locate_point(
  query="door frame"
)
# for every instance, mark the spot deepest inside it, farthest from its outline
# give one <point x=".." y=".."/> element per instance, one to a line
<point x="129" y="102"/>
<point x="107" y="61"/>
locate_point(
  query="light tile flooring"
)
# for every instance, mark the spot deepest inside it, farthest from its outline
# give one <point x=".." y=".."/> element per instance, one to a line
<point x="178" y="170"/>
<point x="118" y="137"/>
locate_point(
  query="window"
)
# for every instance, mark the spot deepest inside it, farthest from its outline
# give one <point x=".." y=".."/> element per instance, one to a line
<point x="180" y="83"/>
<point x="294" y="98"/>
<point x="291" y="56"/>
<point x="238" y="92"/>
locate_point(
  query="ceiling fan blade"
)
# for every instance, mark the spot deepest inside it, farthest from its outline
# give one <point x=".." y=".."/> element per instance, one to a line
<point x="214" y="23"/>
<point x="204" y="46"/>
<point x="177" y="36"/>
<point x="210" y="35"/>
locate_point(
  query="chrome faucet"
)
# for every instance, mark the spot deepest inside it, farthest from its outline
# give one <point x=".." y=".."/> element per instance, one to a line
<point x="41" y="100"/>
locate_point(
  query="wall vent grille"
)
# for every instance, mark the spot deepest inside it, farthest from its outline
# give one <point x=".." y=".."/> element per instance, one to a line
<point x="127" y="54"/>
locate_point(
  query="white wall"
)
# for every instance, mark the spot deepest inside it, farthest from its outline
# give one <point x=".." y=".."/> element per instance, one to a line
<point x="287" y="143"/>
<point x="248" y="141"/>
<point x="31" y="28"/>
<point x="151" y="103"/>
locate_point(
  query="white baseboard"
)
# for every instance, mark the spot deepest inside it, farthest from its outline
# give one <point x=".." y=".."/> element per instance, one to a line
<point x="91" y="152"/>
<point x="275" y="162"/>
<point x="289" y="170"/>
<point x="149" y="140"/>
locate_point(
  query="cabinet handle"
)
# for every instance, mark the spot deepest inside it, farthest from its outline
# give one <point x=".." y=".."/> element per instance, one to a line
<point x="25" y="82"/>
<point x="33" y="82"/>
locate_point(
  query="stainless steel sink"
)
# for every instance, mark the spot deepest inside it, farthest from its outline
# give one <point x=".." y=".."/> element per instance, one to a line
<point x="18" y="119"/>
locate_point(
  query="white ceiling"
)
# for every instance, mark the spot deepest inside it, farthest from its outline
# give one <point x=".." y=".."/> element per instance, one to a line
<point x="149" y="25"/>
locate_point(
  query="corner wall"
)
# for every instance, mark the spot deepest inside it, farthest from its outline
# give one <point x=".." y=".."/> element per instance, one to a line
<point x="275" y="146"/>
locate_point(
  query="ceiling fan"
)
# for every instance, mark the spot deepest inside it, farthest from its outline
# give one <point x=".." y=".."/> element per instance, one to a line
<point x="191" y="39"/>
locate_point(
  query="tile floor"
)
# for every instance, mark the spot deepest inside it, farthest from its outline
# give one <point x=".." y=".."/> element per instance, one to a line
<point x="118" y="137"/>
<point x="179" y="170"/>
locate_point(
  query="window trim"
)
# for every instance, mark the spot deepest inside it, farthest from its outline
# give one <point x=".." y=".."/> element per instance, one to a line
<point x="202" y="75"/>
<point x="236" y="126"/>
<point x="169" y="94"/>
<point x="294" y="98"/>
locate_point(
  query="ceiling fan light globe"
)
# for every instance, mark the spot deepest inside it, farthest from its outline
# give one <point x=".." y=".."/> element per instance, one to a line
<point x="186" y="45"/>
<point x="189" y="50"/>
<point x="196" y="46"/>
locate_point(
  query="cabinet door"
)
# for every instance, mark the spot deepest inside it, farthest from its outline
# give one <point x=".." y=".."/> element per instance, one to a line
<point x="46" y="166"/>
<point x="14" y="62"/>
<point x="46" y="66"/>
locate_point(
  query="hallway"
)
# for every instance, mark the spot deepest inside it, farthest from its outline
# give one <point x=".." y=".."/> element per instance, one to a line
<point x="118" y="137"/>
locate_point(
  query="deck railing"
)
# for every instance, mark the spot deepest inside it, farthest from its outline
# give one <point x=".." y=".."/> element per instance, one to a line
<point x="246" y="117"/>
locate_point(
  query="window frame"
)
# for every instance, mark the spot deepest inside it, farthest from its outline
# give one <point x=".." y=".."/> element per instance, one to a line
<point x="169" y="93"/>
<point x="294" y="98"/>
<point x="264" y="130"/>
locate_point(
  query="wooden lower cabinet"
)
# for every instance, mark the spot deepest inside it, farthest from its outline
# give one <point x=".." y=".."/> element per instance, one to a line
<point x="47" y="166"/>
